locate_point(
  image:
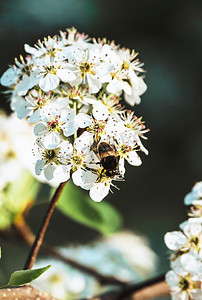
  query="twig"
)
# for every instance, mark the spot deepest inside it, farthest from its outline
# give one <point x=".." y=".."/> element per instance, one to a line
<point x="25" y="233"/>
<point x="39" y="238"/>
<point x="131" y="288"/>
<point x="152" y="288"/>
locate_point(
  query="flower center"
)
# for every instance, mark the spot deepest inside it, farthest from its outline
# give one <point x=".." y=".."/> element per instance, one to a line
<point x="51" y="70"/>
<point x="55" y="278"/>
<point x="10" y="154"/>
<point x="125" y="65"/>
<point x="183" y="284"/>
<point x="77" y="160"/>
<point x="41" y="102"/>
<point x="122" y="150"/>
<point x="97" y="128"/>
<point x="55" y="124"/>
<point x="50" y="155"/>
<point x="86" y="67"/>
<point x="102" y="177"/>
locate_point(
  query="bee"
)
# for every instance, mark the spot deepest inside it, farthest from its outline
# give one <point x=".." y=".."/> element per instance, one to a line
<point x="108" y="158"/>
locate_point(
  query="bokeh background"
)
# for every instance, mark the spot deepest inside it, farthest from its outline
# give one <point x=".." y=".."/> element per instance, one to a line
<point x="168" y="36"/>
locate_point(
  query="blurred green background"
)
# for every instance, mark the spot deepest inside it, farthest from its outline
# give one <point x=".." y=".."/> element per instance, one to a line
<point x="168" y="36"/>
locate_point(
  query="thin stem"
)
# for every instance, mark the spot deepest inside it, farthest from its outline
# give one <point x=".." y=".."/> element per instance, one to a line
<point x="155" y="287"/>
<point x="132" y="288"/>
<point x="39" y="238"/>
<point x="75" y="108"/>
<point x="101" y="93"/>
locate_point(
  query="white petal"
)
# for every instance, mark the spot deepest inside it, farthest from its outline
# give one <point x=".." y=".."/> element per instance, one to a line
<point x="133" y="158"/>
<point x="84" y="179"/>
<point x="94" y="84"/>
<point x="20" y="107"/>
<point x="27" y="83"/>
<point x="66" y="147"/>
<point x="84" y="141"/>
<point x="172" y="279"/>
<point x="126" y="88"/>
<point x="114" y="86"/>
<point x="52" y="140"/>
<point x="83" y="120"/>
<point x="132" y="99"/>
<point x="39" y="166"/>
<point x="121" y="167"/>
<point x="61" y="173"/>
<point x="175" y="240"/>
<point x="35" y="117"/>
<point x="49" y="82"/>
<point x="32" y="50"/>
<point x="193" y="229"/>
<point x="49" y="170"/>
<point x="40" y="129"/>
<point x="101" y="111"/>
<point x="99" y="191"/>
<point x="70" y="128"/>
<point x="66" y="75"/>
<point x="9" y="77"/>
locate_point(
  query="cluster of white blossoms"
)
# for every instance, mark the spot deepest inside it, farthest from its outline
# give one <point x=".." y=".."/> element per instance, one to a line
<point x="71" y="87"/>
<point x="185" y="278"/>
<point x="124" y="255"/>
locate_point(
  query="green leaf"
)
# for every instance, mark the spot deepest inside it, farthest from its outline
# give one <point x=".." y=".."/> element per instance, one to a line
<point x="23" y="277"/>
<point x="77" y="205"/>
<point x="15" y="198"/>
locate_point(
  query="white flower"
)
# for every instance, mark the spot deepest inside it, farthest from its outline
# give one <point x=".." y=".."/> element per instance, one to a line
<point x="89" y="67"/>
<point x="191" y="238"/>
<point x="102" y="185"/>
<point x="133" y="129"/>
<point x="182" y="287"/>
<point x="80" y="160"/>
<point x="188" y="263"/>
<point x="79" y="93"/>
<point x="51" y="72"/>
<point x="22" y="74"/>
<point x="52" y="47"/>
<point x="32" y="105"/>
<point x="50" y="161"/>
<point x="195" y="196"/>
<point x="56" y="122"/>
<point x="138" y="87"/>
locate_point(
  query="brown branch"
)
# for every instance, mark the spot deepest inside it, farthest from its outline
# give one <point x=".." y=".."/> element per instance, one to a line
<point x="24" y="293"/>
<point x="156" y="287"/>
<point x="28" y="237"/>
<point x="39" y="238"/>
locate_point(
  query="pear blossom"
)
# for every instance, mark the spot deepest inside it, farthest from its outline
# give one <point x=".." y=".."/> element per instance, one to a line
<point x="49" y="160"/>
<point x="89" y="67"/>
<point x="71" y="87"/>
<point x="191" y="237"/>
<point x="185" y="279"/>
<point x="182" y="286"/>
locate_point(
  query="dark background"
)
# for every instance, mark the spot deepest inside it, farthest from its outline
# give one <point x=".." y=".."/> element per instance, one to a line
<point x="168" y="36"/>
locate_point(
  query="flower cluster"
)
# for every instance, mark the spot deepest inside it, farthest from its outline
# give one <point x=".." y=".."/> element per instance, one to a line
<point x="71" y="87"/>
<point x="112" y="256"/>
<point x="185" y="279"/>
